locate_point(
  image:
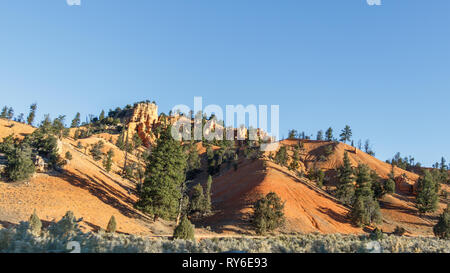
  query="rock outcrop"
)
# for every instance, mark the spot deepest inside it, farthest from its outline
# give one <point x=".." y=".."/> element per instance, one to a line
<point x="141" y="120"/>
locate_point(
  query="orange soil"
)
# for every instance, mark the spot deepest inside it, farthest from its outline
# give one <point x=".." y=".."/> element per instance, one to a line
<point x="19" y="130"/>
<point x="91" y="193"/>
<point x="314" y="149"/>
<point x="307" y="208"/>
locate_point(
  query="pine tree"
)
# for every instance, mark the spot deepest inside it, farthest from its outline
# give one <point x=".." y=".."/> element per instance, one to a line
<point x="68" y="155"/>
<point x="295" y="160"/>
<point x="120" y="141"/>
<point x="427" y="196"/>
<point x="32" y="114"/>
<point x="268" y="214"/>
<point x="185" y="230"/>
<point x="76" y="121"/>
<point x="4" y="113"/>
<point x="346" y="134"/>
<point x="365" y="210"/>
<point x="20" y="166"/>
<point x="389" y="184"/>
<point x="193" y="162"/>
<point x="442" y="228"/>
<point x="281" y="157"/>
<point x="165" y="174"/>
<point x="10" y="113"/>
<point x="96" y="150"/>
<point x="108" y="160"/>
<point x="35" y="224"/>
<point x="319" y="135"/>
<point x="292" y="134"/>
<point x="102" y="116"/>
<point x="208" y="194"/>
<point x="198" y="199"/>
<point x="137" y="141"/>
<point x="329" y="134"/>
<point x="345" y="188"/>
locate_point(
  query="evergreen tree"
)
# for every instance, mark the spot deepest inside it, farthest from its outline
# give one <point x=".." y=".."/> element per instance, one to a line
<point x="268" y="214"/>
<point x="365" y="210"/>
<point x="292" y="134"/>
<point x="442" y="228"/>
<point x="120" y="141"/>
<point x="35" y="224"/>
<point x="4" y="113"/>
<point x="281" y="157"/>
<point x="329" y="134"/>
<point x="165" y="172"/>
<point x="96" y="150"/>
<point x="319" y="135"/>
<point x="389" y="184"/>
<point x="345" y="188"/>
<point x="137" y="141"/>
<point x="193" y="162"/>
<point x="68" y="155"/>
<point x="208" y="194"/>
<point x="10" y="113"/>
<point x="20" y="166"/>
<point x="102" y="116"/>
<point x="295" y="160"/>
<point x="427" y="196"/>
<point x="346" y="134"/>
<point x="198" y="199"/>
<point x="111" y="228"/>
<point x="185" y="230"/>
<point x="108" y="160"/>
<point x="32" y="114"/>
<point x="76" y="121"/>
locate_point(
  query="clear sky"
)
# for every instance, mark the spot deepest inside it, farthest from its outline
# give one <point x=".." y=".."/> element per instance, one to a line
<point x="384" y="70"/>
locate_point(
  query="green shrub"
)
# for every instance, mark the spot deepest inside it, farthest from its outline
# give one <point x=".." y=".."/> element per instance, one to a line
<point x="389" y="186"/>
<point x="399" y="231"/>
<point x="35" y="224"/>
<point x="268" y="214"/>
<point x="376" y="234"/>
<point x="442" y="228"/>
<point x="185" y="230"/>
<point x="20" y="166"/>
<point x="68" y="155"/>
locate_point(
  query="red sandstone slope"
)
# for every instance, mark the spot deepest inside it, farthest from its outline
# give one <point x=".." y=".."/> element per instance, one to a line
<point x="307" y="208"/>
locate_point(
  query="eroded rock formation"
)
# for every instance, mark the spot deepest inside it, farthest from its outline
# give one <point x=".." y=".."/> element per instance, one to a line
<point x="141" y="120"/>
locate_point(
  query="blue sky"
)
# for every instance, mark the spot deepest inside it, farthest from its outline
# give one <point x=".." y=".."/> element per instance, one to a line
<point x="384" y="70"/>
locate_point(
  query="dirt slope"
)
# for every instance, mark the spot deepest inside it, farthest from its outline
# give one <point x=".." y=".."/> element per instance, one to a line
<point x="83" y="187"/>
<point x="19" y="130"/>
<point x="307" y="208"/>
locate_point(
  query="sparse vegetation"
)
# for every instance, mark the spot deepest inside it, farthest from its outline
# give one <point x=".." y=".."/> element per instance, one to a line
<point x="185" y="230"/>
<point x="268" y="214"/>
<point x="427" y="193"/>
<point x="96" y="150"/>
<point x="442" y="228"/>
<point x="108" y="160"/>
<point x="21" y="240"/>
